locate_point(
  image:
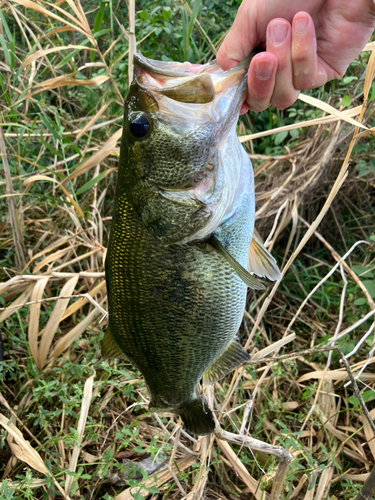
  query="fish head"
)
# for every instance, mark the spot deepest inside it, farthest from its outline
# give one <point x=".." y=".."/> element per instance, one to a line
<point x="178" y="118"/>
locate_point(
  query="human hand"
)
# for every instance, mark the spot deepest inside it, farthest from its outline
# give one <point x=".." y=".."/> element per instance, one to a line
<point x="303" y="49"/>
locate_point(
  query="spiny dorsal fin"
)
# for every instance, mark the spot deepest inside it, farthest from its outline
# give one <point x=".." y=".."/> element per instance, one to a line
<point x="233" y="356"/>
<point x="109" y="348"/>
<point x="261" y="262"/>
<point x="246" y="277"/>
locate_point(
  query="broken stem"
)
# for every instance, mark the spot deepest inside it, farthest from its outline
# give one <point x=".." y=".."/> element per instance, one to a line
<point x="282" y="455"/>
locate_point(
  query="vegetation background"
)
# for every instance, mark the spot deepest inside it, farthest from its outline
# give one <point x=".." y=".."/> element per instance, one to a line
<point x="82" y="422"/>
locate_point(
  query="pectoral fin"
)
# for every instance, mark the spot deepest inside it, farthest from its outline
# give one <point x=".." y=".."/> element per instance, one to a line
<point x="232" y="357"/>
<point x="246" y="277"/>
<point x="109" y="347"/>
<point x="261" y="262"/>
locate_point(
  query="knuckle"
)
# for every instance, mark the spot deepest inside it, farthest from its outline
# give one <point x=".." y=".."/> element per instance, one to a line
<point x="304" y="82"/>
<point x="284" y="102"/>
<point x="300" y="57"/>
<point x="258" y="106"/>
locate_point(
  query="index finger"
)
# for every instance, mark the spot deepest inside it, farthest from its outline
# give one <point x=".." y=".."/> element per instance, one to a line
<point x="240" y="40"/>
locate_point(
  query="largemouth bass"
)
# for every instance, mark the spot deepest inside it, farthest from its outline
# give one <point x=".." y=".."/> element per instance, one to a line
<point x="182" y="234"/>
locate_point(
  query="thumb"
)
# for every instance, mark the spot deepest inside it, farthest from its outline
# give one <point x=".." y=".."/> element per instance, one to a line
<point x="240" y="40"/>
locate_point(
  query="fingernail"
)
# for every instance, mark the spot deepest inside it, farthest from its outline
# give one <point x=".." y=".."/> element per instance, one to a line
<point x="263" y="68"/>
<point x="278" y="32"/>
<point x="300" y="24"/>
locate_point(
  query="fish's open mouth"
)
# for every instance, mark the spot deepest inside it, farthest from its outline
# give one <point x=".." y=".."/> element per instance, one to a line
<point x="193" y="83"/>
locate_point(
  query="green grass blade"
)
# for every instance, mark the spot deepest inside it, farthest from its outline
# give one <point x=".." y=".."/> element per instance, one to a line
<point x="99" y="18"/>
<point x="194" y="15"/>
<point x="51" y="127"/>
<point x="6" y="51"/>
<point x="97" y="35"/>
<point x="92" y="183"/>
<point x="72" y="54"/>
<point x="97" y="25"/>
<point x="6" y="28"/>
<point x="185" y="36"/>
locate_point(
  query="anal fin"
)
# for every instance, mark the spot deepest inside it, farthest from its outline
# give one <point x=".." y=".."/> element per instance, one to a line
<point x="233" y="356"/>
<point x="109" y="347"/>
<point x="261" y="262"/>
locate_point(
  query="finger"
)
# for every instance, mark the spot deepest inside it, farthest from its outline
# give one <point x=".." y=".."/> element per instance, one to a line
<point x="261" y="81"/>
<point x="240" y="40"/>
<point x="279" y="43"/>
<point x="304" y="56"/>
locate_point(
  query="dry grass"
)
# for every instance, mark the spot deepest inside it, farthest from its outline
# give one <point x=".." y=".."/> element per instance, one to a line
<point x="56" y="289"/>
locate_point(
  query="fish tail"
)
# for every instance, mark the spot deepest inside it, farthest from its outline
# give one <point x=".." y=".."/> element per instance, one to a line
<point x="197" y="417"/>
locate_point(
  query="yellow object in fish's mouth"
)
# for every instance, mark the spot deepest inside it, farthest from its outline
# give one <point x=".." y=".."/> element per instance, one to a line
<point x="181" y="249"/>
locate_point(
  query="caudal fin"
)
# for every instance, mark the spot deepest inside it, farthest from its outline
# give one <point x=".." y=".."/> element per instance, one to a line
<point x="197" y="417"/>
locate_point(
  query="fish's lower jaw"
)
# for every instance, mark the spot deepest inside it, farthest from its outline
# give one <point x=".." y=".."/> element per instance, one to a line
<point x="197" y="417"/>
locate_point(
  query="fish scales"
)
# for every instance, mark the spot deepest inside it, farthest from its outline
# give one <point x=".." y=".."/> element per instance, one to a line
<point x="175" y="298"/>
<point x="189" y="294"/>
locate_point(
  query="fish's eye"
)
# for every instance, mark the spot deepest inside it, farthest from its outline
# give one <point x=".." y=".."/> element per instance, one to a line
<point x="139" y="126"/>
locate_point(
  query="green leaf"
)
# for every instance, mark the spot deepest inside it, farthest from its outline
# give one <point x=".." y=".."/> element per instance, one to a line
<point x="348" y="79"/>
<point x="100" y="33"/>
<point x="363" y="168"/>
<point x="346" y="101"/>
<point x="360" y="302"/>
<point x="294" y="133"/>
<point x="370" y="285"/>
<point x="366" y="396"/>
<point x="92" y="183"/>
<point x="153" y="489"/>
<point x="166" y="13"/>
<point x="280" y="137"/>
<point x="143" y="15"/>
<point x="371" y="96"/>
<point x="99" y="18"/>
<point x="137" y="495"/>
<point x="76" y="149"/>
<point x="312" y="483"/>
<point x="363" y="270"/>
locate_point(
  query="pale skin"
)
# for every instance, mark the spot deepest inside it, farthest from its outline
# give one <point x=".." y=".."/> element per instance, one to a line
<point x="304" y="49"/>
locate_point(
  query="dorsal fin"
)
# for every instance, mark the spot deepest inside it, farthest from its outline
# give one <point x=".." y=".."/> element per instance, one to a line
<point x="261" y="262"/>
<point x="246" y="277"/>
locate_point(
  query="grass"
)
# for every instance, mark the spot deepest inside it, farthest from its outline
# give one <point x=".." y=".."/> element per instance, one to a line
<point x="60" y="123"/>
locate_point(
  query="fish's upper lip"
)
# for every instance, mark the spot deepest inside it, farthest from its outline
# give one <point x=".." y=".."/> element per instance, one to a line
<point x="150" y="65"/>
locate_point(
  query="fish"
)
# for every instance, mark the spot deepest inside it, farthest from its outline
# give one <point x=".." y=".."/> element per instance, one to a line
<point x="182" y="250"/>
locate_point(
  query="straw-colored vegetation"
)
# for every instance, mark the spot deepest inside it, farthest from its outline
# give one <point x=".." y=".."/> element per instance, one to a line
<point x="76" y="426"/>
